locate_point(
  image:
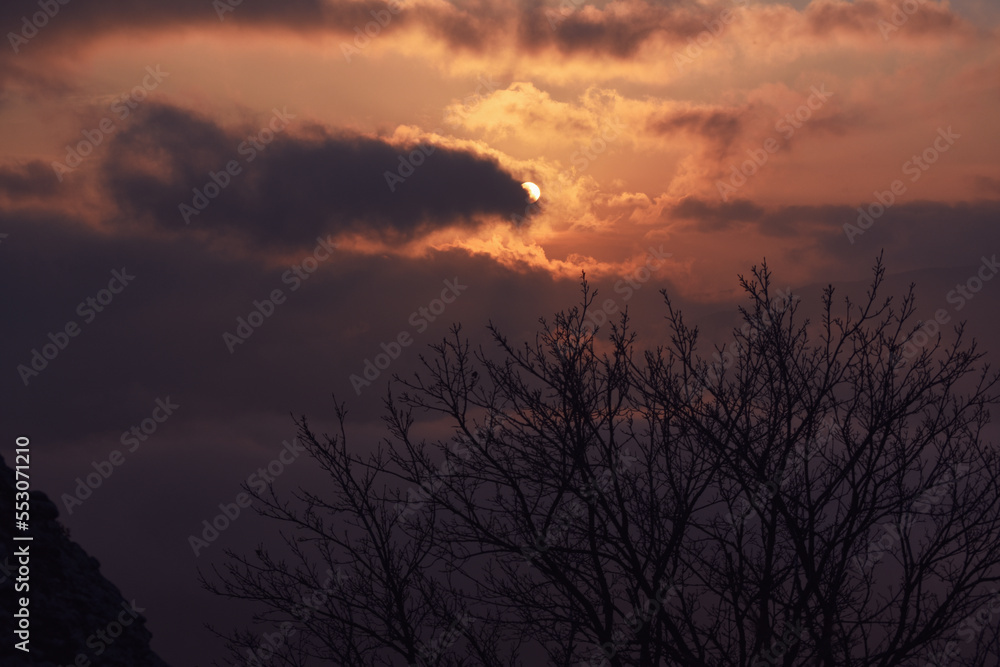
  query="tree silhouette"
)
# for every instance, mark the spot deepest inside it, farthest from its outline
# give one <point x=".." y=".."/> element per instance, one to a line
<point x="802" y="496"/>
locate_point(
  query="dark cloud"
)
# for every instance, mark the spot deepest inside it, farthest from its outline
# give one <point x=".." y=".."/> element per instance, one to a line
<point x="916" y="234"/>
<point x="837" y="123"/>
<point x="109" y="15"/>
<point x="23" y="80"/>
<point x="720" y="127"/>
<point x="881" y="17"/>
<point x="921" y="233"/>
<point x="857" y="16"/>
<point x="617" y="33"/>
<point x="47" y="37"/>
<point x="163" y="332"/>
<point x="299" y="185"/>
<point x="714" y="216"/>
<point x="32" y="179"/>
<point x="569" y="27"/>
<point x="791" y="221"/>
<point x="988" y="185"/>
<point x="474" y="26"/>
<point x="162" y="336"/>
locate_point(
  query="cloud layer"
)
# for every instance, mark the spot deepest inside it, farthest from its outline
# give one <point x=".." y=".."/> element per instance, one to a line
<point x="174" y="168"/>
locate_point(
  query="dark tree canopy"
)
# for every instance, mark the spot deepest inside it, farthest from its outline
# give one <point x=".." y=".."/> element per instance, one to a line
<point x="812" y="493"/>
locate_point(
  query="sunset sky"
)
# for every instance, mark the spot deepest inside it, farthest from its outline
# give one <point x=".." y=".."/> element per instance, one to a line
<point x="364" y="160"/>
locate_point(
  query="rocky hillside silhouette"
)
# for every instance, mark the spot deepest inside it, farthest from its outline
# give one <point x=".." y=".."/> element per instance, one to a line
<point x="74" y="610"/>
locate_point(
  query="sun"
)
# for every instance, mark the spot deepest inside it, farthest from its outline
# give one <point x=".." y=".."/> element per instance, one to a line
<point x="533" y="192"/>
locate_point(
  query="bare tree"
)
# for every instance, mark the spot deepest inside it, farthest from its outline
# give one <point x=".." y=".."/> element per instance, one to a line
<point x="805" y="495"/>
